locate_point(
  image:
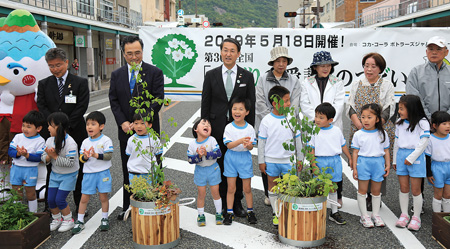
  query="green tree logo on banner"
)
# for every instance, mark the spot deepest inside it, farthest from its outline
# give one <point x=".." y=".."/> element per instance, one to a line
<point x="175" y="55"/>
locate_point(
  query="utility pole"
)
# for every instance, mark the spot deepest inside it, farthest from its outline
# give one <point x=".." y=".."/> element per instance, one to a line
<point x="318" y="14"/>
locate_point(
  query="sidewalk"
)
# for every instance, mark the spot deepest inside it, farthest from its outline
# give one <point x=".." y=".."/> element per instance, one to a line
<point x="104" y="88"/>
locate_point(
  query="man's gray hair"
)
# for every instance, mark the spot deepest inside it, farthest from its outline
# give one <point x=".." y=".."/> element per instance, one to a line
<point x="55" y="53"/>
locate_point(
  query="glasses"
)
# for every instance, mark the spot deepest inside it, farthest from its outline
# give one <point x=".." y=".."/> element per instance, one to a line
<point x="131" y="54"/>
<point x="56" y="66"/>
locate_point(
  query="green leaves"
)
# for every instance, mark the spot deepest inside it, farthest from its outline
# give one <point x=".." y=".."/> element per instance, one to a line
<point x="304" y="182"/>
<point x="14" y="215"/>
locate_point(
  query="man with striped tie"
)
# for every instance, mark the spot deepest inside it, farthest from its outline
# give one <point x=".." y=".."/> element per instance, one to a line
<point x="68" y="93"/>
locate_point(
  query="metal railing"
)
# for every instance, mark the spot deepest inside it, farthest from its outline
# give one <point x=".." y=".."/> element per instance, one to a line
<point x="86" y="10"/>
<point x="384" y="13"/>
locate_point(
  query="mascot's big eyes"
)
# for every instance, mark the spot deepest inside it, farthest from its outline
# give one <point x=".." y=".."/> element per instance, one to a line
<point x="16" y="71"/>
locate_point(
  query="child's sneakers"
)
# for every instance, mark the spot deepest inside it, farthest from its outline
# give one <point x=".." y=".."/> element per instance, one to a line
<point x="66" y="225"/>
<point x="219" y="219"/>
<point x="56" y="223"/>
<point x="275" y="220"/>
<point x="337" y="218"/>
<point x="251" y="217"/>
<point x="378" y="221"/>
<point x="402" y="221"/>
<point x="104" y="224"/>
<point x="366" y="221"/>
<point x="201" y="220"/>
<point x="79" y="226"/>
<point x="228" y="218"/>
<point x="415" y="224"/>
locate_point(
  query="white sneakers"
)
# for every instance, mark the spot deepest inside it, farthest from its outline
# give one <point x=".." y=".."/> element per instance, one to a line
<point x="56" y="223"/>
<point x="61" y="225"/>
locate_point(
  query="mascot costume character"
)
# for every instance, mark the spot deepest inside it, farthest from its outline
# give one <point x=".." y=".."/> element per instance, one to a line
<point x="22" y="64"/>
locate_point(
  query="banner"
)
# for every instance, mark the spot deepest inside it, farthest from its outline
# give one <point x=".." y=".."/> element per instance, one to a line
<point x="186" y="54"/>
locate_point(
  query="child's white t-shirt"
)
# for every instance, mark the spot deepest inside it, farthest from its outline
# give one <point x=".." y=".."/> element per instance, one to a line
<point x="69" y="150"/>
<point x="101" y="145"/>
<point x="142" y="164"/>
<point x="275" y="133"/>
<point x="439" y="148"/>
<point x="210" y="144"/>
<point x="234" y="132"/>
<point x="33" y="145"/>
<point x="369" y="144"/>
<point x="409" y="140"/>
<point x="328" y="142"/>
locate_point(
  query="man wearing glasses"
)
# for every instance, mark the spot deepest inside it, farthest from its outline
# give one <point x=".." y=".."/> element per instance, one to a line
<point x="68" y="93"/>
<point x="123" y="87"/>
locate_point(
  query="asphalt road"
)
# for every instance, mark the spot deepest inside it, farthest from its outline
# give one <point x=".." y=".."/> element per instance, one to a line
<point x="240" y="234"/>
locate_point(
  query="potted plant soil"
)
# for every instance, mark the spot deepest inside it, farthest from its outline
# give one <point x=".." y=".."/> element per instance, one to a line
<point x="302" y="194"/>
<point x="154" y="201"/>
<point x="20" y="228"/>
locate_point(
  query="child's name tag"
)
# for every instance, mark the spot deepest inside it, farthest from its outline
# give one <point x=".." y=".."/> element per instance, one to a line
<point x="70" y="99"/>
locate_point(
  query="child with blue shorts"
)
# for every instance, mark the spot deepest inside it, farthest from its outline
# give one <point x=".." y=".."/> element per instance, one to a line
<point x="327" y="146"/>
<point x="439" y="151"/>
<point x="139" y="163"/>
<point x="95" y="152"/>
<point x="26" y="150"/>
<point x="239" y="137"/>
<point x="61" y="151"/>
<point x="370" y="162"/>
<point x="273" y="159"/>
<point x="412" y="133"/>
<point x="203" y="152"/>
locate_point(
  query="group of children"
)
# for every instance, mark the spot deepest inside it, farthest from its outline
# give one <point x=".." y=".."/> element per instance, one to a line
<point x="28" y="149"/>
<point x="416" y="152"/>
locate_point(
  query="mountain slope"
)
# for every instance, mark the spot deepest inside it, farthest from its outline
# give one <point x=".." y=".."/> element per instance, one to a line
<point x="235" y="13"/>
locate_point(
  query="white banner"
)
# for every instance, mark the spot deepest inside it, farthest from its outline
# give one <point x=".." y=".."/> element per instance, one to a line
<point x="185" y="54"/>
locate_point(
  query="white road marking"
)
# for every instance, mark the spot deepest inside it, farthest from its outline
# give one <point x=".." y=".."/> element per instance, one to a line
<point x="101" y="109"/>
<point x="238" y="235"/>
<point x="78" y="240"/>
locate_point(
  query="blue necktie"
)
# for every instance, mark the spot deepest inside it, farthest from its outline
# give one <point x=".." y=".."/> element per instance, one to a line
<point x="132" y="81"/>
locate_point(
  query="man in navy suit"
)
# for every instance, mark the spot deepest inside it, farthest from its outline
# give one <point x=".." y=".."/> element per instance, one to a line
<point x="68" y="93"/>
<point x="123" y="88"/>
<point x="216" y="98"/>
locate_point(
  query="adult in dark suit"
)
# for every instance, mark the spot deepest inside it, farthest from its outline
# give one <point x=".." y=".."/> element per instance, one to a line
<point x="120" y="92"/>
<point x="216" y="98"/>
<point x="68" y="93"/>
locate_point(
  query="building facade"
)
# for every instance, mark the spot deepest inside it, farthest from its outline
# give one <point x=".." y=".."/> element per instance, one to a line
<point x="347" y="10"/>
<point x="91" y="30"/>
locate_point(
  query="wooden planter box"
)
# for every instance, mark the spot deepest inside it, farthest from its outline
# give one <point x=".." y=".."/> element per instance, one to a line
<point x="441" y="229"/>
<point x="302" y="221"/>
<point x="155" y="228"/>
<point x="31" y="236"/>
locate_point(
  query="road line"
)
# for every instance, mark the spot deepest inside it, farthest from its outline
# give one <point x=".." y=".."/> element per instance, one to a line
<point x="101" y="109"/>
<point x="78" y="240"/>
<point x="238" y="235"/>
<point x="170" y="106"/>
<point x="406" y="238"/>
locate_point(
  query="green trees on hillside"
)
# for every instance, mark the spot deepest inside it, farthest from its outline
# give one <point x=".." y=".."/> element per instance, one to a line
<point x="238" y="13"/>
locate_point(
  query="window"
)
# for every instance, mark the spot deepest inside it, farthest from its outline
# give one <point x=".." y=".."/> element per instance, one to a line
<point x="106" y="10"/>
<point x="123" y="14"/>
<point x="412" y="7"/>
<point x="85" y="7"/>
<point x="339" y="3"/>
<point x="135" y="18"/>
<point x="332" y="4"/>
<point x="157" y="4"/>
<point x="328" y="7"/>
<point x="367" y="1"/>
